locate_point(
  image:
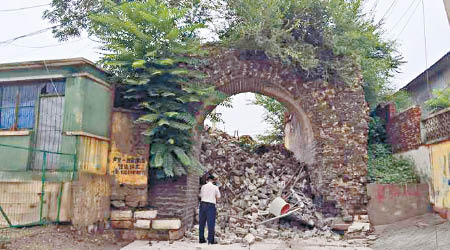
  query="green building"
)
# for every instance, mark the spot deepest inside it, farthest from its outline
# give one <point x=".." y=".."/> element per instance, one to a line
<point x="55" y="119"/>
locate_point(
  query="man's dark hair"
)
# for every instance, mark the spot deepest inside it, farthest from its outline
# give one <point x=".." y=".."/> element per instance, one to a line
<point x="211" y="178"/>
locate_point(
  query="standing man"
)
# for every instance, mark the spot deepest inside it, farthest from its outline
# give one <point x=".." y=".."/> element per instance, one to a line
<point x="209" y="194"/>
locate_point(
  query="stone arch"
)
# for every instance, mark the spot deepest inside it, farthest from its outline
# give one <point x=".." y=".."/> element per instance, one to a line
<point x="332" y="118"/>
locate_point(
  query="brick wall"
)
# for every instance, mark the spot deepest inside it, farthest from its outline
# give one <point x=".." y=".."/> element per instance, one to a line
<point x="403" y="130"/>
<point x="175" y="198"/>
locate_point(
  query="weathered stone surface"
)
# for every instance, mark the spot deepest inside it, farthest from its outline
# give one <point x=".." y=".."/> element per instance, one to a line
<point x="145" y="214"/>
<point x="340" y="226"/>
<point x="249" y="239"/>
<point x="144" y="224"/>
<point x="121" y="215"/>
<point x="121" y="224"/>
<point x="330" y="121"/>
<point x="118" y="204"/>
<point x="166" y="224"/>
<point x="359" y="227"/>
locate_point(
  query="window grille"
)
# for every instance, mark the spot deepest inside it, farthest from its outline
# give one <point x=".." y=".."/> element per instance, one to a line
<point x="18" y="102"/>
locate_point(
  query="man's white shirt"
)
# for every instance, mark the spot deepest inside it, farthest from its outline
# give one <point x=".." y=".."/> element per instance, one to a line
<point x="209" y="193"/>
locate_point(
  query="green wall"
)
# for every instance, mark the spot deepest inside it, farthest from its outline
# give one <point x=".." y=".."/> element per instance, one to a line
<point x="14" y="159"/>
<point x="97" y="107"/>
<point x="87" y="108"/>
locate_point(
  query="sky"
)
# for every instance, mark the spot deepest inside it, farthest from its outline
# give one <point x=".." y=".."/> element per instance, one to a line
<point x="403" y="21"/>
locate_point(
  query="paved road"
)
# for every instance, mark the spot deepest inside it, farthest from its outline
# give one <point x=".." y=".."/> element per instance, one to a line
<point x="311" y="244"/>
<point x="427" y="232"/>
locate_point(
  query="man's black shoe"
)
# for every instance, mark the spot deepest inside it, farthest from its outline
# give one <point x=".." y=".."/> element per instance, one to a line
<point x="212" y="243"/>
<point x="202" y="241"/>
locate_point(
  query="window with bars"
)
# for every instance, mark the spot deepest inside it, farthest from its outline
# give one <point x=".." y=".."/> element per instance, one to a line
<point x="18" y="102"/>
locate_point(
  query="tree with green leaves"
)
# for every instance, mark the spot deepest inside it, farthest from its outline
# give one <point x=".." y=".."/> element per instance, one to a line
<point x="441" y="100"/>
<point x="274" y="116"/>
<point x="329" y="40"/>
<point x="150" y="47"/>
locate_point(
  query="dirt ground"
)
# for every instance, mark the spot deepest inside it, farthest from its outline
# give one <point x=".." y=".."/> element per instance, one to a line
<point x="56" y="238"/>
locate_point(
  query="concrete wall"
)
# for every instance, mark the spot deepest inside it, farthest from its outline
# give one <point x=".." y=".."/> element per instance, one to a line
<point x="91" y="200"/>
<point x="21" y="202"/>
<point x="422" y="162"/>
<point x="440" y="161"/>
<point x="390" y="203"/>
<point x="14" y="159"/>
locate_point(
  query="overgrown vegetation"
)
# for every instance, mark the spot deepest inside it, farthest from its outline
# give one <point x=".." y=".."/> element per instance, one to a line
<point x="440" y="101"/>
<point x="330" y="40"/>
<point x="152" y="46"/>
<point x="383" y="166"/>
<point x="153" y="51"/>
<point x="274" y="116"/>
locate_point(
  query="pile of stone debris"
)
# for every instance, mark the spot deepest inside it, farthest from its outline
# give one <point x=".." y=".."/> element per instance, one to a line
<point x="250" y="179"/>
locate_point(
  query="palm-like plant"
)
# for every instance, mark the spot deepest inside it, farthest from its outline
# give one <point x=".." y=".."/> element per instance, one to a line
<point x="155" y="52"/>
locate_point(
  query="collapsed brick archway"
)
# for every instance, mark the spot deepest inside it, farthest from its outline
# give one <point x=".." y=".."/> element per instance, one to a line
<point x="331" y="122"/>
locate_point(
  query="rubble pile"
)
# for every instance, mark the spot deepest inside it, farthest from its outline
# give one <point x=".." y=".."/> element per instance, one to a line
<point x="250" y="179"/>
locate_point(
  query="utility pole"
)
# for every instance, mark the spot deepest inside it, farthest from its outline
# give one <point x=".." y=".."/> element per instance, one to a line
<point x="447" y="9"/>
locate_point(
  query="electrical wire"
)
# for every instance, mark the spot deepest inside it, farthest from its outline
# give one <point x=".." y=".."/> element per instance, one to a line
<point x="46" y="46"/>
<point x="46" y="29"/>
<point x="403" y="15"/>
<point x="407" y="22"/>
<point x="25" y="8"/>
<point x="388" y="10"/>
<point x="425" y="48"/>
<point x="9" y="41"/>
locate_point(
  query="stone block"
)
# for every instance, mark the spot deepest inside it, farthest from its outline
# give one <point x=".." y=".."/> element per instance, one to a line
<point x="147" y="214"/>
<point x="144" y="224"/>
<point x="118" y="204"/>
<point x="166" y="224"/>
<point x="176" y="234"/>
<point x="135" y="198"/>
<point x="158" y="234"/>
<point x="127" y="235"/>
<point x="121" y="215"/>
<point x="132" y="203"/>
<point x="141" y="234"/>
<point x="358" y="227"/>
<point x="340" y="226"/>
<point x="121" y="224"/>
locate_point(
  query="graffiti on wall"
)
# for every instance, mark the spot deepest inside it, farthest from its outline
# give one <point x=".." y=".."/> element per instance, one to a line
<point x="129" y="152"/>
<point x="128" y="169"/>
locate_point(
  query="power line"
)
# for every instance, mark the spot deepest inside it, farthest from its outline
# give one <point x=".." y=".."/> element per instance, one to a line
<point x="46" y="46"/>
<point x="425" y="48"/>
<point x="407" y="22"/>
<point x="25" y="8"/>
<point x="46" y="29"/>
<point x="27" y="35"/>
<point x="387" y="11"/>
<point x="404" y="14"/>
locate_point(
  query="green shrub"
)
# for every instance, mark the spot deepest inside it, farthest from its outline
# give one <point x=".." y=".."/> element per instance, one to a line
<point x="384" y="167"/>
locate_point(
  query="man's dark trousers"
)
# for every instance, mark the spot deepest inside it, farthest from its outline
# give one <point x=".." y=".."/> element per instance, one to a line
<point x="207" y="214"/>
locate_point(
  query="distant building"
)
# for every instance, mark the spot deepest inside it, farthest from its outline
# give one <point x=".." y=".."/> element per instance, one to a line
<point x="438" y="78"/>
